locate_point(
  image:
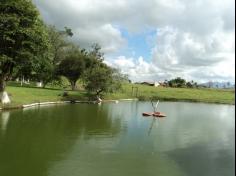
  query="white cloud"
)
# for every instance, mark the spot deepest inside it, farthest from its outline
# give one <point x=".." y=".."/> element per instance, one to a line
<point x="106" y="35"/>
<point x="195" y="39"/>
<point x="123" y="62"/>
<point x="185" y="54"/>
<point x="137" y="68"/>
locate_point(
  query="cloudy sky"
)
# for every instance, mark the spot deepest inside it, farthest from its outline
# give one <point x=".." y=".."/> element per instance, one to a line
<point x="154" y="40"/>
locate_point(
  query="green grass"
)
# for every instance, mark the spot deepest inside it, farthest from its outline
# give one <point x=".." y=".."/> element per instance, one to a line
<point x="178" y="94"/>
<point x="27" y="95"/>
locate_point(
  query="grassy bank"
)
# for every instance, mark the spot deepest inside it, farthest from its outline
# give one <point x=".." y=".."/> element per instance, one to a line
<point x="224" y="96"/>
<point x="27" y="95"/>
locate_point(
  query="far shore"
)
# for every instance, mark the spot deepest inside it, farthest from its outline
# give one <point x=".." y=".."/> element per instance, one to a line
<point x="22" y="97"/>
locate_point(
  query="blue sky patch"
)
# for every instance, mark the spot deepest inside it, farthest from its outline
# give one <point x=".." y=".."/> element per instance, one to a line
<point x="138" y="44"/>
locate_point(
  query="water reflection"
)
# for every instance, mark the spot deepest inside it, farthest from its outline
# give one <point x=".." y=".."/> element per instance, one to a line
<point x="152" y="125"/>
<point x="4" y="120"/>
<point x="115" y="139"/>
<point x="199" y="160"/>
<point x="37" y="137"/>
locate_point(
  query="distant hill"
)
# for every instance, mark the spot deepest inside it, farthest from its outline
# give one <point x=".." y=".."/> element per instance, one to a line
<point x="219" y="85"/>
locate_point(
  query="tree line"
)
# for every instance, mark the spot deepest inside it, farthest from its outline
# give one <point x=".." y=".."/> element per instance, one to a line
<point x="181" y="83"/>
<point x="29" y="48"/>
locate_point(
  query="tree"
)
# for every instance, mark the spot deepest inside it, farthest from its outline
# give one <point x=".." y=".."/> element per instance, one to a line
<point x="189" y="84"/>
<point x="96" y="52"/>
<point x="98" y="79"/>
<point x="177" y="82"/>
<point x="73" y="66"/>
<point x="117" y="79"/>
<point x="44" y="72"/>
<point x="58" y="42"/>
<point x="102" y="78"/>
<point x="22" y="37"/>
<point x="94" y="57"/>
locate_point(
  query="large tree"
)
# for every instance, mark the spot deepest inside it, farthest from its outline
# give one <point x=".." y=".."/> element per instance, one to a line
<point x="45" y="71"/>
<point x="72" y="66"/>
<point x="177" y="82"/>
<point x="58" y="42"/>
<point x="98" y="79"/>
<point x="23" y="37"/>
<point x="102" y="78"/>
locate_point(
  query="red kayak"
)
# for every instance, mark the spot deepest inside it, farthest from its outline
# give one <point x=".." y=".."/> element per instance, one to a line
<point x="159" y="114"/>
<point x="155" y="114"/>
<point x="147" y="114"/>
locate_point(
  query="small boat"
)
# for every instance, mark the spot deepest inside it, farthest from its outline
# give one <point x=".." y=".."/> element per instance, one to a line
<point x="155" y="114"/>
<point x="147" y="114"/>
<point x="158" y="114"/>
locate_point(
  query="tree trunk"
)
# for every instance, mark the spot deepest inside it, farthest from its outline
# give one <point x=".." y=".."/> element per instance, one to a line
<point x="45" y="83"/>
<point x="73" y="85"/>
<point x="3" y="94"/>
<point x="2" y="84"/>
<point x="99" y="100"/>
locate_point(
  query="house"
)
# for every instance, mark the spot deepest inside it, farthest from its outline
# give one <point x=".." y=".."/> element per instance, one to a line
<point x="155" y="84"/>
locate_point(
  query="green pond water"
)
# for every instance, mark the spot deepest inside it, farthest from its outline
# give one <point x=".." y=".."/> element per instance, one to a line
<point x="116" y="140"/>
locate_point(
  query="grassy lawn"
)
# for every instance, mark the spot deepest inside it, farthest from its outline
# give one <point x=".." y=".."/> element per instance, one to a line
<point x="27" y="95"/>
<point x="178" y="94"/>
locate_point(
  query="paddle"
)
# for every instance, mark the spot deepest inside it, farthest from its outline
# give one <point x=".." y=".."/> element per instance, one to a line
<point x="155" y="107"/>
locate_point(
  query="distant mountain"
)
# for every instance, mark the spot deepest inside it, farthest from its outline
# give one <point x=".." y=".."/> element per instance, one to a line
<point x="220" y="85"/>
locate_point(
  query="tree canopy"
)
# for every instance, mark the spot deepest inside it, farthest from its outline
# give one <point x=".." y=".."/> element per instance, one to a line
<point x="58" y="42"/>
<point x="72" y="66"/>
<point x="98" y="79"/>
<point x="23" y="37"/>
<point x="180" y="82"/>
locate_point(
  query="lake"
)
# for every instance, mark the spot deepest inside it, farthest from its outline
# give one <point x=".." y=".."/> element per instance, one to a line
<point x="112" y="139"/>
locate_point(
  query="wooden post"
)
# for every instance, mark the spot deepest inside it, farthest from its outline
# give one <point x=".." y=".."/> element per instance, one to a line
<point x="135" y="91"/>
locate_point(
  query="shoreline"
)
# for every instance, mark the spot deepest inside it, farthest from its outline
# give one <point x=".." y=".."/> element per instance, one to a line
<point x="23" y="97"/>
<point x="58" y="103"/>
<point x="41" y="104"/>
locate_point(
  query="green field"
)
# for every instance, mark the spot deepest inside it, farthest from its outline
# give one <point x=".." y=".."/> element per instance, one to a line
<point x="224" y="96"/>
<point x="26" y="95"/>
